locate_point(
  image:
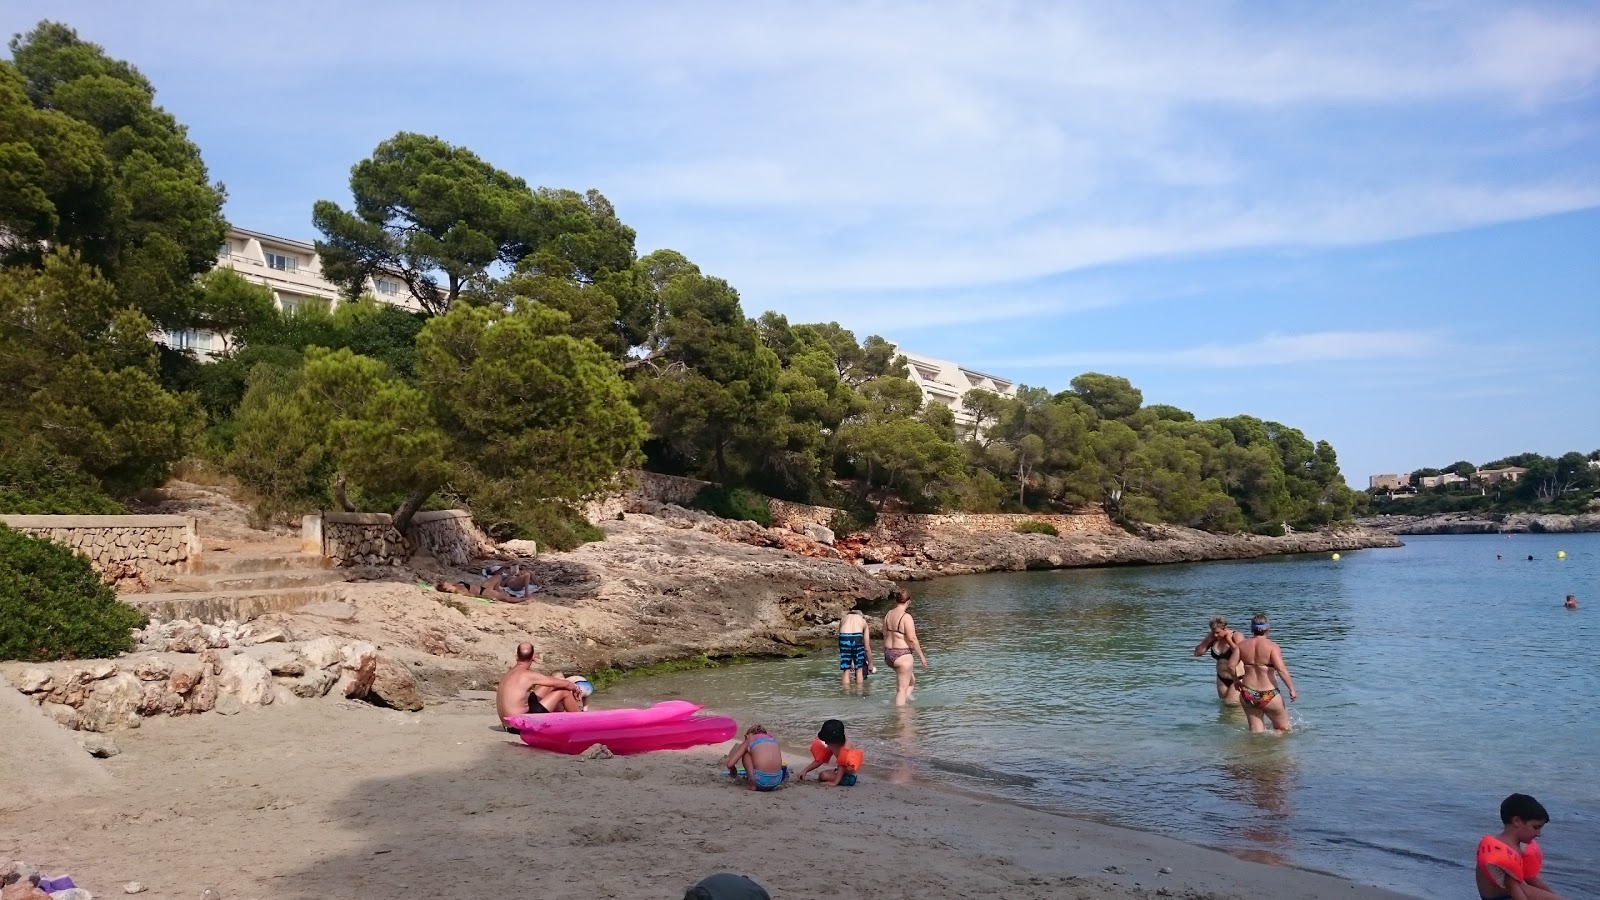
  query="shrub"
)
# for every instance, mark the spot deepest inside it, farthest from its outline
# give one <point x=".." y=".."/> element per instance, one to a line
<point x="54" y="606"/>
<point x="734" y="503"/>
<point x="1269" y="529"/>
<point x="556" y="526"/>
<point x="1032" y="527"/>
<point x="37" y="480"/>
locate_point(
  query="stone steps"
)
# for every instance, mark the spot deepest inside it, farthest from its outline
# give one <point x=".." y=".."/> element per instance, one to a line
<point x="226" y="563"/>
<point x="216" y="607"/>
<point x="259" y="580"/>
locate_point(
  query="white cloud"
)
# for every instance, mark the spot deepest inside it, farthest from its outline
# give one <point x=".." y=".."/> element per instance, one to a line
<point x="1271" y="350"/>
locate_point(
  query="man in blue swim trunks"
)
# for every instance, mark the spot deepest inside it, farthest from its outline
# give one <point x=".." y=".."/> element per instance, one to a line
<point x="761" y="758"/>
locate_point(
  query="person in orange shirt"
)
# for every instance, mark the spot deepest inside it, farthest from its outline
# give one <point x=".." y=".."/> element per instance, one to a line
<point x="1508" y="863"/>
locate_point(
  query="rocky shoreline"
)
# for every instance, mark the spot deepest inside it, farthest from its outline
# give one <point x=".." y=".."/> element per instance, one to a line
<point x="1493" y="523"/>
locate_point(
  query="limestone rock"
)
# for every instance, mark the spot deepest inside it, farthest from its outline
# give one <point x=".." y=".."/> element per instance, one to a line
<point x="246" y="679"/>
<point x="211" y="894"/>
<point x="229" y="705"/>
<point x="285" y="663"/>
<point x="394" y="686"/>
<point x="18" y="873"/>
<point x="61" y="714"/>
<point x="133" y="887"/>
<point x="71" y="894"/>
<point x="268" y="635"/>
<point x="152" y="669"/>
<point x="188" y="640"/>
<point x="322" y="652"/>
<point x="211" y="660"/>
<point x="315" y="683"/>
<point x="204" y="696"/>
<point x="357" y="670"/>
<point x="99" y="671"/>
<point x="112" y="704"/>
<point x="33" y="680"/>
<point x="184" y="677"/>
<point x="100" y="746"/>
<point x="819" y="533"/>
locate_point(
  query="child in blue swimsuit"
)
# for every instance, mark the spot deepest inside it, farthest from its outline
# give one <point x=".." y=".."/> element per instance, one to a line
<point x="761" y="758"/>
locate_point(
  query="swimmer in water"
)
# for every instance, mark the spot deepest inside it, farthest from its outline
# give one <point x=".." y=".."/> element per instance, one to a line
<point x="1223" y="641"/>
<point x="1572" y="602"/>
<point x="1258" y="691"/>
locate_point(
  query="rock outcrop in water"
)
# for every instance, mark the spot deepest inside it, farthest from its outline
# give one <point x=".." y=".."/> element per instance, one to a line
<point x="1497" y="523"/>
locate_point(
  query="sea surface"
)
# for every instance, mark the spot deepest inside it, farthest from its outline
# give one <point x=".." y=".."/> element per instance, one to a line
<point x="1434" y="679"/>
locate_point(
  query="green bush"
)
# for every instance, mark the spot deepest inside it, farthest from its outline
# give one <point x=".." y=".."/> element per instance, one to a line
<point x="734" y="503"/>
<point x="556" y="526"/>
<point x="1032" y="527"/>
<point x="1270" y="529"/>
<point x="54" y="606"/>
<point x="37" y="480"/>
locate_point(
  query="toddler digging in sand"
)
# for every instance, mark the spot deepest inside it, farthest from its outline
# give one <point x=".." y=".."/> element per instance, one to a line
<point x="761" y="758"/>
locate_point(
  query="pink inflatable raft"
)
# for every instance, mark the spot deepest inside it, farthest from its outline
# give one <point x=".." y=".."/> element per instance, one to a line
<point x="672" y="725"/>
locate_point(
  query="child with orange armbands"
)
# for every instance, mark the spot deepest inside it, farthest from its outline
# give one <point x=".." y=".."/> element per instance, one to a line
<point x="1509" y="863"/>
<point x="830" y="745"/>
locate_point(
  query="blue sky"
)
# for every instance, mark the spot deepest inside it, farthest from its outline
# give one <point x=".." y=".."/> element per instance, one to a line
<point x="1377" y="222"/>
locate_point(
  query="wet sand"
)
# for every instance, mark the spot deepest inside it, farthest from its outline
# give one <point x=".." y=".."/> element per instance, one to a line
<point x="343" y="800"/>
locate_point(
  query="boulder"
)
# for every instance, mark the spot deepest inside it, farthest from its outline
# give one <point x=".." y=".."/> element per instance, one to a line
<point x="285" y="663"/>
<point x="322" y="652"/>
<point x="188" y="640"/>
<point x="152" y="669"/>
<point x="819" y="533"/>
<point x="357" y="670"/>
<point x="33" y="680"/>
<point x="265" y="635"/>
<point x="184" y="678"/>
<point x="229" y="705"/>
<point x="100" y="746"/>
<point x="112" y="704"/>
<point x="71" y="894"/>
<point x="99" y="671"/>
<point x="204" y="696"/>
<point x="211" y="661"/>
<point x="18" y="873"/>
<point x="394" y="686"/>
<point x="22" y="890"/>
<point x="315" y="683"/>
<point x="61" y="714"/>
<point x="246" y="679"/>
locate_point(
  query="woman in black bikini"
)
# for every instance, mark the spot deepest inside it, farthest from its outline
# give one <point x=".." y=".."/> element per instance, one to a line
<point x="1222" y="642"/>
<point x="899" y="641"/>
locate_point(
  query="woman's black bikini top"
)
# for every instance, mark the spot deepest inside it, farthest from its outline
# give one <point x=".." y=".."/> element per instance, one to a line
<point x="1223" y="656"/>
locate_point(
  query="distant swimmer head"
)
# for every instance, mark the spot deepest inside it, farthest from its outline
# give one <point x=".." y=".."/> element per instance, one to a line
<point x="1259" y="624"/>
<point x="1572" y="601"/>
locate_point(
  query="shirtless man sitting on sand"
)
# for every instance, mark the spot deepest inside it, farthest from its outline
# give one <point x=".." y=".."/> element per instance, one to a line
<point x="525" y="690"/>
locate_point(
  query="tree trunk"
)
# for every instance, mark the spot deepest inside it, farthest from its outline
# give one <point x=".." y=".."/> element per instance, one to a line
<point x="339" y="494"/>
<point x="413" y="502"/>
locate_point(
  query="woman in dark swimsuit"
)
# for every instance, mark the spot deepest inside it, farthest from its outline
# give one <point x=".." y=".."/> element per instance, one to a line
<point x="1222" y="642"/>
<point x="899" y="641"/>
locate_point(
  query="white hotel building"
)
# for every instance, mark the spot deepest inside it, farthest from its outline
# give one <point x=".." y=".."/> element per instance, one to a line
<point x="290" y="269"/>
<point x="945" y="383"/>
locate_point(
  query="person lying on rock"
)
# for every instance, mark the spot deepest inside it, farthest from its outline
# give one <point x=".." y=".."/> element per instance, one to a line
<point x="510" y="584"/>
<point x="525" y="690"/>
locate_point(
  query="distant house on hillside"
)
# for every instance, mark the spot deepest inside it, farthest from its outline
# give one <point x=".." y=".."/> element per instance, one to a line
<point x="1443" y="479"/>
<point x="1488" y="477"/>
<point x="1388" y="482"/>
<point x="945" y="383"/>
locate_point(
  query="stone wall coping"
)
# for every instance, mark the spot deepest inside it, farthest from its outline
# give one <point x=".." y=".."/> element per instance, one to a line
<point x="438" y="515"/>
<point x="356" y="518"/>
<point x="97" y="521"/>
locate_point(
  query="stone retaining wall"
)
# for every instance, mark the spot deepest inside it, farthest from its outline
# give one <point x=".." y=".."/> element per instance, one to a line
<point x="796" y="516"/>
<point x="123" y="549"/>
<point x="370" y="539"/>
<point x="899" y="527"/>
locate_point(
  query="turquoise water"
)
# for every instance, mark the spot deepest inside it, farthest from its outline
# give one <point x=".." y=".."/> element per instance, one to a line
<point x="1433" y="681"/>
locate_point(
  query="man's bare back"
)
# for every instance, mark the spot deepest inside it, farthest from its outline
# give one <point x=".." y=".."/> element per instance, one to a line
<point x="522" y="686"/>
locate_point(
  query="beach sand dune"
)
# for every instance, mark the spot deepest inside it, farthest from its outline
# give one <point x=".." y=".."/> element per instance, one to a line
<point x="343" y="800"/>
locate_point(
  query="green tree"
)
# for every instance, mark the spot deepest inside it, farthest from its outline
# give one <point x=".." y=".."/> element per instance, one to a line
<point x="227" y="303"/>
<point x="88" y="161"/>
<point x="82" y="373"/>
<point x="1108" y="395"/>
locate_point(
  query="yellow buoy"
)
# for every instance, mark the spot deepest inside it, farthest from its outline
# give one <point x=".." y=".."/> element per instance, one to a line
<point x="1561" y="554"/>
<point x="1336" y="556"/>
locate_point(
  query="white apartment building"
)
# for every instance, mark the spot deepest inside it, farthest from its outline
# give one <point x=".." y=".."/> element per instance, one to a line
<point x="944" y="382"/>
<point x="290" y="269"/>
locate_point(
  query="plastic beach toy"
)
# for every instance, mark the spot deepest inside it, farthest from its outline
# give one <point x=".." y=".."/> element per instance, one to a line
<point x="671" y="725"/>
<point x="583" y="684"/>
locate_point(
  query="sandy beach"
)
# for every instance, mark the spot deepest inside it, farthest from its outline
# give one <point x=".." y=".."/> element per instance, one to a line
<point x="342" y="799"/>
